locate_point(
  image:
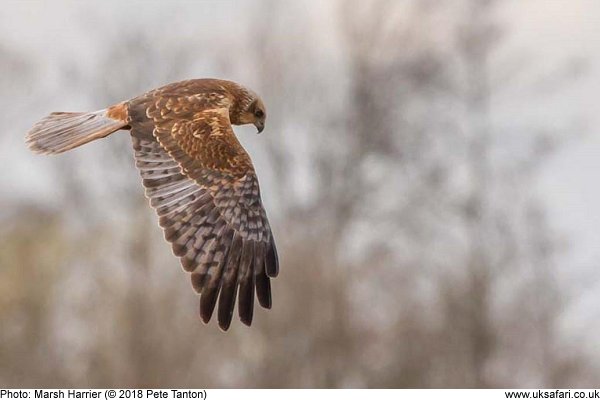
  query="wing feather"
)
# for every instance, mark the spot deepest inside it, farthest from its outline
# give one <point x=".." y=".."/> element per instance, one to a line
<point x="246" y="282"/>
<point x="230" y="282"/>
<point x="204" y="189"/>
<point x="212" y="281"/>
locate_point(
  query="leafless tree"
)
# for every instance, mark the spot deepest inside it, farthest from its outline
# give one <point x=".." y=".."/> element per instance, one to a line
<point x="412" y="254"/>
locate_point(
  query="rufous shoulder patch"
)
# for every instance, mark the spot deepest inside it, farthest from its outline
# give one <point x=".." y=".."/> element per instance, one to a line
<point x="118" y="112"/>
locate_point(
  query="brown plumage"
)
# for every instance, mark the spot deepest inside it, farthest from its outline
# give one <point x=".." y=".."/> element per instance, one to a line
<point x="198" y="178"/>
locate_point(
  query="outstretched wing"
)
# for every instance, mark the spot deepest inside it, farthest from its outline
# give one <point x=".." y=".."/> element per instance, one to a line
<point x="201" y="183"/>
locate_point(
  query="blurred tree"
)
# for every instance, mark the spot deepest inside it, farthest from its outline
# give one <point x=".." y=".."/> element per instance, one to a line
<point x="33" y="251"/>
<point x="414" y="252"/>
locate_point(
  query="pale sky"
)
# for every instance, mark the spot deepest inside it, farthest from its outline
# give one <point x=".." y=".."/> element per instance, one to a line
<point x="556" y="30"/>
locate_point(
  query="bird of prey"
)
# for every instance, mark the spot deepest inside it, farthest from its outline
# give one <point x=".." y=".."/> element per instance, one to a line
<point x="197" y="177"/>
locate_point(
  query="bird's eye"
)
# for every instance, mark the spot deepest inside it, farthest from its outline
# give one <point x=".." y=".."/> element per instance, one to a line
<point x="259" y="113"/>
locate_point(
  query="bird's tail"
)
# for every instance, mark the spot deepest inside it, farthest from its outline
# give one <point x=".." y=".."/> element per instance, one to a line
<point x="62" y="131"/>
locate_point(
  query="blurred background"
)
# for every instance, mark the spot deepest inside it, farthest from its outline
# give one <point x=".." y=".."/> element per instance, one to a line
<point x="429" y="169"/>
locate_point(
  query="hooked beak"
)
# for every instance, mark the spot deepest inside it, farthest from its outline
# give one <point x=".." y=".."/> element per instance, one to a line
<point x="259" y="127"/>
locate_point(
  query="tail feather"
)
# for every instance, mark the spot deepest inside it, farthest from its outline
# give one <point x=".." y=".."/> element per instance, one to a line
<point x="62" y="131"/>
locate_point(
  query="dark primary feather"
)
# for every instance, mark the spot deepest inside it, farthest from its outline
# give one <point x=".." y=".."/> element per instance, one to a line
<point x="230" y="283"/>
<point x="272" y="260"/>
<point x="246" y="281"/>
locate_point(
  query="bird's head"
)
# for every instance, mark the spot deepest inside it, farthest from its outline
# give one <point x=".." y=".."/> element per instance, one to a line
<point x="259" y="114"/>
<point x="249" y="110"/>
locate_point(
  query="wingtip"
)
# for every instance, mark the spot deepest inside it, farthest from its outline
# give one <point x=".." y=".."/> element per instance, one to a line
<point x="246" y="320"/>
<point x="272" y="272"/>
<point x="263" y="291"/>
<point x="224" y="326"/>
<point x="268" y="305"/>
<point x="203" y="317"/>
<point x="207" y="305"/>
<point x="206" y="315"/>
<point x="272" y="260"/>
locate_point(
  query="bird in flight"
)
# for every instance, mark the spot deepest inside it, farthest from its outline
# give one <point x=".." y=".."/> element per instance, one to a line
<point x="199" y="180"/>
